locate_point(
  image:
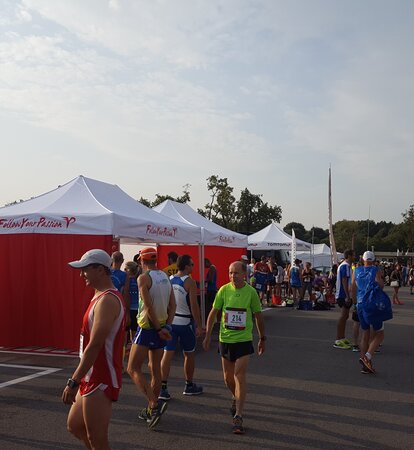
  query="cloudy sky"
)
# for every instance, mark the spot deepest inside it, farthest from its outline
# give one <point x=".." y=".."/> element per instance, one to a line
<point x="151" y="95"/>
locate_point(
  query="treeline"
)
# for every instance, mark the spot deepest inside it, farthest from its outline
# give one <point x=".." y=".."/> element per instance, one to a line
<point x="362" y="234"/>
<point x="249" y="213"/>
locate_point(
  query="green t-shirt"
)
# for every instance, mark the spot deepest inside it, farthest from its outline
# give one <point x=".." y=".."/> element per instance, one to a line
<point x="238" y="306"/>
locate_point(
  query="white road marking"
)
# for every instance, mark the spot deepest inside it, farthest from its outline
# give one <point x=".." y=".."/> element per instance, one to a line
<point x="44" y="371"/>
<point x="32" y="353"/>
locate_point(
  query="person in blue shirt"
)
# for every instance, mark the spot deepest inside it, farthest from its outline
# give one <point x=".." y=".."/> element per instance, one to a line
<point x="372" y="325"/>
<point x="131" y="294"/>
<point x="118" y="276"/>
<point x="344" y="299"/>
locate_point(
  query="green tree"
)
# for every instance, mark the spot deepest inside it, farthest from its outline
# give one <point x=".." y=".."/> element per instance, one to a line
<point x="160" y="198"/>
<point x="221" y="208"/>
<point x="253" y="214"/>
<point x="407" y="228"/>
<point x="318" y="235"/>
<point x="300" y="230"/>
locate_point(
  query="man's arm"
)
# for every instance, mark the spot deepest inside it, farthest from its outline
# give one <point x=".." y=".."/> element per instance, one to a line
<point x="191" y="287"/>
<point x="380" y="279"/>
<point x="105" y="313"/>
<point x="172" y="306"/>
<point x="261" y="331"/>
<point x="354" y="290"/>
<point x="211" y="320"/>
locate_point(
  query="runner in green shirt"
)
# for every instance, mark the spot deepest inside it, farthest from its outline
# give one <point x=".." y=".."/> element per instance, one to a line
<point x="238" y="301"/>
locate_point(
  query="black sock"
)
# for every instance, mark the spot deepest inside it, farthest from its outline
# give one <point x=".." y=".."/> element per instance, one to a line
<point x="188" y="382"/>
<point x="163" y="385"/>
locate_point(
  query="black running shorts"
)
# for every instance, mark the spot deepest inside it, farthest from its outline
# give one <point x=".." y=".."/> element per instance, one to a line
<point x="232" y="352"/>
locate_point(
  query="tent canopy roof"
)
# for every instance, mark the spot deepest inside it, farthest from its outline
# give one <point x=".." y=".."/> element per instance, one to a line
<point x="87" y="206"/>
<point x="274" y="238"/>
<point x="212" y="234"/>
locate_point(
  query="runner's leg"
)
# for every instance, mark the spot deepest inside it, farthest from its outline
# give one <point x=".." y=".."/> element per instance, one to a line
<point x="137" y="357"/>
<point x="155" y="357"/>
<point x="228" y="375"/>
<point x="240" y="370"/>
<point x="97" y="409"/>
<point x="76" y="422"/>
<point x="189" y="365"/>
<point x="166" y="364"/>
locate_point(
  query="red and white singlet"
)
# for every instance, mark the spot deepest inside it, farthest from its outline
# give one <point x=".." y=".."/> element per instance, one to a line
<point x="106" y="372"/>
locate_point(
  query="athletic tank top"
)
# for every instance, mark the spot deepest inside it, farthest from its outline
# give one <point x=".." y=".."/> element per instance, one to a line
<point x="133" y="293"/>
<point x="182" y="298"/>
<point x="160" y="296"/>
<point x="294" y="277"/>
<point x="107" y="368"/>
<point x="211" y="286"/>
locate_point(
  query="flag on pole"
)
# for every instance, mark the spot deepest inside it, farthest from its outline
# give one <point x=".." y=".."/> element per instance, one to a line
<point x="334" y="255"/>
<point x="293" y="250"/>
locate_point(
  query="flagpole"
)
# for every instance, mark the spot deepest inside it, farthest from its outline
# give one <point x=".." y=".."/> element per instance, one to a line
<point x="369" y="218"/>
<point x="293" y="249"/>
<point x="334" y="256"/>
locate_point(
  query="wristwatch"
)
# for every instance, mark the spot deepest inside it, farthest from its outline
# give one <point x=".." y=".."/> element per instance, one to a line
<point x="72" y="384"/>
<point x="263" y="338"/>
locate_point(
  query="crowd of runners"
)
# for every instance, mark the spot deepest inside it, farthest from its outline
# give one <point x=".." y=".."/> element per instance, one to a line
<point x="157" y="311"/>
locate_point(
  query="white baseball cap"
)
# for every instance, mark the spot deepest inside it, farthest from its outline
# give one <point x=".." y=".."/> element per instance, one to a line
<point x="94" y="256"/>
<point x="368" y="256"/>
<point x="244" y="258"/>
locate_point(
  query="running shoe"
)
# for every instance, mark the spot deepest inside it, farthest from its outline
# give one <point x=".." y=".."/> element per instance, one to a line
<point x="192" y="389"/>
<point x="233" y="407"/>
<point x="156" y="413"/>
<point x="346" y="341"/>
<point x="355" y="348"/>
<point x="144" y="415"/>
<point x="367" y="363"/>
<point x="341" y="344"/>
<point x="238" y="425"/>
<point x="365" y="371"/>
<point x="164" y="395"/>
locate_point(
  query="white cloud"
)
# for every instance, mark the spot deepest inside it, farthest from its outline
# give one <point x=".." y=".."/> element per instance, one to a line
<point x="265" y="92"/>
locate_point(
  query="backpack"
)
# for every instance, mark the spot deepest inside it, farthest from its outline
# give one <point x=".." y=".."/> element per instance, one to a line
<point x="375" y="303"/>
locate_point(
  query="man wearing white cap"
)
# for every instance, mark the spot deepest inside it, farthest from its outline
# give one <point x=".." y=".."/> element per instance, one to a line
<point x="97" y="380"/>
<point x="366" y="279"/>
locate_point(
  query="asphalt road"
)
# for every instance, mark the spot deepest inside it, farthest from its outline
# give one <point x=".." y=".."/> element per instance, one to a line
<point x="303" y="394"/>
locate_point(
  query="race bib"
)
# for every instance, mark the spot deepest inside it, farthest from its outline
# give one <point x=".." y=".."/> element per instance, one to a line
<point x="81" y="346"/>
<point x="235" y="318"/>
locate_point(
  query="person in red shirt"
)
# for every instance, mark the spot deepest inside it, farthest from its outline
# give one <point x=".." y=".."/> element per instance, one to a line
<point x="261" y="272"/>
<point x="97" y="380"/>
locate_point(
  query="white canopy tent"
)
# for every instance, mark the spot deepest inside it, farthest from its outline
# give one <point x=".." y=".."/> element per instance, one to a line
<point x="46" y="298"/>
<point x="212" y="234"/>
<point x="87" y="206"/>
<point x="319" y="256"/>
<point x="274" y="238"/>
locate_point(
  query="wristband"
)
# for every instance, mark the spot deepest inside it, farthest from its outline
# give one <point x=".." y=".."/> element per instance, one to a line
<point x="168" y="327"/>
<point x="72" y="384"/>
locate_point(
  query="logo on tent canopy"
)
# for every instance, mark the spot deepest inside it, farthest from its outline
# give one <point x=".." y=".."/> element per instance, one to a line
<point x="41" y="222"/>
<point x="226" y="239"/>
<point x="281" y="245"/>
<point x="161" y="231"/>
